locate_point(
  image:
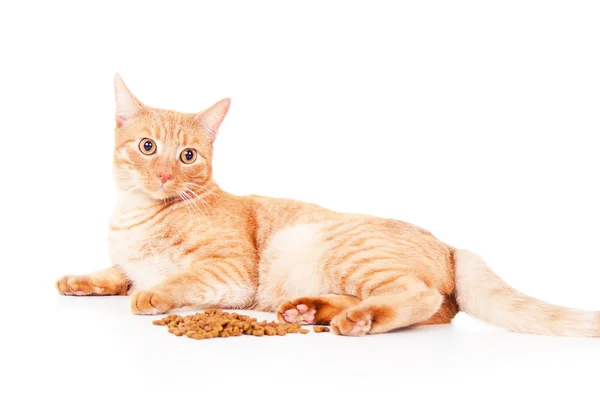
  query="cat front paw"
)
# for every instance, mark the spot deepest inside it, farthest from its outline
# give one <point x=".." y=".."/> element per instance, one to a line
<point x="150" y="302"/>
<point x="79" y="286"/>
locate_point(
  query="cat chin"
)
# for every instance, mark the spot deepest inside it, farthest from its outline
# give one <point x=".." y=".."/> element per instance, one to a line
<point x="163" y="196"/>
<point x="159" y="194"/>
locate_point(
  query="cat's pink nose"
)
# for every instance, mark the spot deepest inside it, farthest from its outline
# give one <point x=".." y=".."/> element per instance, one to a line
<point x="164" y="177"/>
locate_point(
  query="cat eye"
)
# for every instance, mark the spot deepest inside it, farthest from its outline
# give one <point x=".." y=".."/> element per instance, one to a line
<point x="188" y="156"/>
<point x="147" y="146"/>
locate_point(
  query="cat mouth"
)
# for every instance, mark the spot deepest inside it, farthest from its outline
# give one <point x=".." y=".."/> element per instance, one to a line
<point x="160" y="192"/>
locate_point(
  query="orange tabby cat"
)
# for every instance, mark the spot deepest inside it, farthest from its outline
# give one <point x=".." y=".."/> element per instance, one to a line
<point x="176" y="239"/>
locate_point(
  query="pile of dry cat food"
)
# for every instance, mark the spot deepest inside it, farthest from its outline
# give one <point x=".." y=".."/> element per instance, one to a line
<point x="216" y="323"/>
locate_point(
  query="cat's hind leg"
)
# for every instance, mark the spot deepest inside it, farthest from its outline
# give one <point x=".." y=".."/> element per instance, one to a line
<point x="401" y="303"/>
<point x="111" y="281"/>
<point x="315" y="310"/>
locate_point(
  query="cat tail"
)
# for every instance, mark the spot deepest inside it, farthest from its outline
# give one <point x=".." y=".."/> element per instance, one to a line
<point x="485" y="296"/>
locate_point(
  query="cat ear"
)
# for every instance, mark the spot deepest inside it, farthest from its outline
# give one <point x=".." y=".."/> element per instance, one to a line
<point x="127" y="105"/>
<point x="210" y="119"/>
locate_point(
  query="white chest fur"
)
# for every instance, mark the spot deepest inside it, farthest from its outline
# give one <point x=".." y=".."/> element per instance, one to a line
<point x="140" y="251"/>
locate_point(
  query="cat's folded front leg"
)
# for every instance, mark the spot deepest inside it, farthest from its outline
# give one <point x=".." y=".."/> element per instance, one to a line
<point x="218" y="283"/>
<point x="111" y="281"/>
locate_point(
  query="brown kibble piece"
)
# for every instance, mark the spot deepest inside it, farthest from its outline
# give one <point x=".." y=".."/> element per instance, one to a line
<point x="321" y="329"/>
<point x="303" y="331"/>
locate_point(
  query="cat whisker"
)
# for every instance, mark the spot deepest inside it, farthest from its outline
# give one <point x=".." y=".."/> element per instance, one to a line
<point x="204" y="189"/>
<point x="194" y="205"/>
<point x="185" y="203"/>
<point x="205" y="204"/>
<point x="200" y="198"/>
<point x="187" y="200"/>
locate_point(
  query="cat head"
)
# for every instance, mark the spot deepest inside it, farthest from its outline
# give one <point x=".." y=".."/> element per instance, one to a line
<point x="162" y="153"/>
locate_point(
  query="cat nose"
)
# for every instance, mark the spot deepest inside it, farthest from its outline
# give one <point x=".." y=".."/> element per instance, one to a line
<point x="164" y="177"/>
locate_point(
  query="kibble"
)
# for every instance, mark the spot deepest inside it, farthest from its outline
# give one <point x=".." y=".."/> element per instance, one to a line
<point x="217" y="323"/>
<point x="321" y="329"/>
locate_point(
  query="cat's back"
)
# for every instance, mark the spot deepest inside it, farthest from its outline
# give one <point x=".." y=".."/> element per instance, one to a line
<point x="294" y="219"/>
<point x="275" y="214"/>
<point x="305" y="249"/>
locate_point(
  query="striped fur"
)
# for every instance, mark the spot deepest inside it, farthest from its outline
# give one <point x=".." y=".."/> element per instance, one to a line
<point x="482" y="294"/>
<point x="185" y="242"/>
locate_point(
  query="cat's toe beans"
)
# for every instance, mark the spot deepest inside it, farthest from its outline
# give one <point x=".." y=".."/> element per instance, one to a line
<point x="301" y="310"/>
<point x="291" y="313"/>
<point x="309" y="316"/>
<point x="349" y="324"/>
<point x="299" y="314"/>
<point x="287" y="313"/>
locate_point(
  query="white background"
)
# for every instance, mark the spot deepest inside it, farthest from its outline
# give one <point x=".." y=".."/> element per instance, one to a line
<point x="476" y="120"/>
